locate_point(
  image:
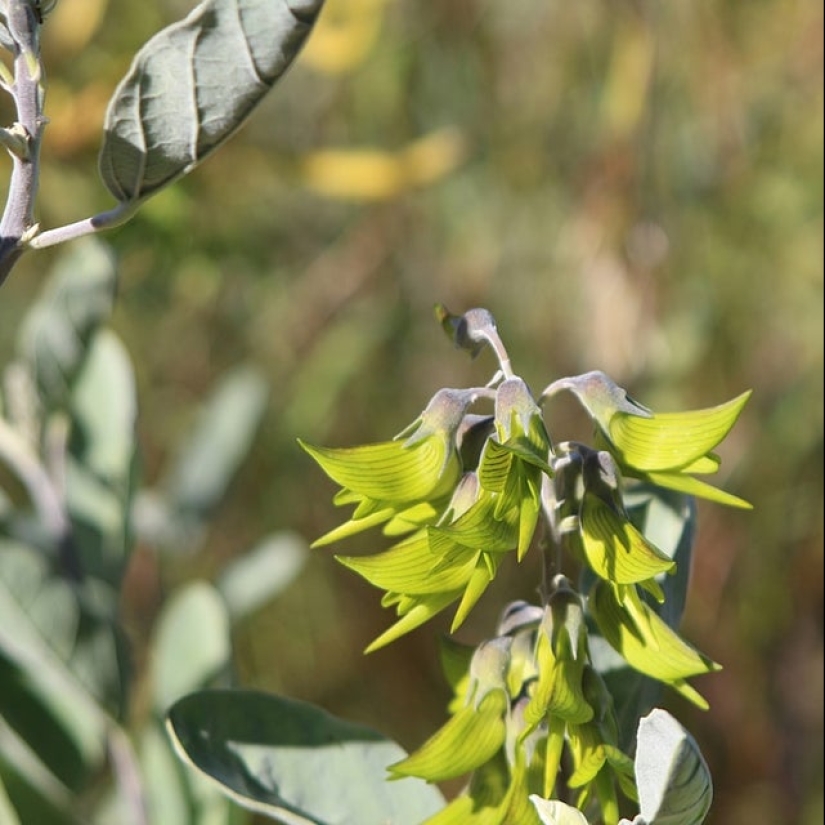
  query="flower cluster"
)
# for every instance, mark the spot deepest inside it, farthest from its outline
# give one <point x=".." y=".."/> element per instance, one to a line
<point x="518" y="699"/>
<point x="459" y="490"/>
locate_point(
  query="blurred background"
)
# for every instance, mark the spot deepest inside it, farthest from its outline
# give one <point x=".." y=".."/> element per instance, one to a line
<point x="628" y="186"/>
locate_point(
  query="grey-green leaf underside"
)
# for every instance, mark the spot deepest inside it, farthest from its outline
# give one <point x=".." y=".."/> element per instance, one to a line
<point x="193" y="85"/>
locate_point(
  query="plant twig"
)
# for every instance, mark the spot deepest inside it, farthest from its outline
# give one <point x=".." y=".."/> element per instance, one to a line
<point x="70" y="232"/>
<point x="17" y="224"/>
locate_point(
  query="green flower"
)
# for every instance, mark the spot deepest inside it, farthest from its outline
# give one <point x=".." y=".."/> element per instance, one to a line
<point x="477" y="731"/>
<point x="561" y="655"/>
<point x="513" y="461"/>
<point x="591" y="513"/>
<point x="403" y="483"/>
<point x="665" y="449"/>
<point x="645" y="640"/>
<point x="520" y="699"/>
<point x="614" y="549"/>
<point x="438" y="565"/>
<point x="451" y="547"/>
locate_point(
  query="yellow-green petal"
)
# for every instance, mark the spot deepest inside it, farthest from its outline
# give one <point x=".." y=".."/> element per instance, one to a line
<point x="669" y="441"/>
<point x="588" y="754"/>
<point x="478" y="527"/>
<point x="353" y="527"/>
<point x="389" y="470"/>
<point x="615" y="550"/>
<point x="410" y="518"/>
<point x="694" y="487"/>
<point x="407" y="567"/>
<point x="485" y="570"/>
<point x="465" y="742"/>
<point x="495" y="466"/>
<point x="483" y="802"/>
<point x="414" y="611"/>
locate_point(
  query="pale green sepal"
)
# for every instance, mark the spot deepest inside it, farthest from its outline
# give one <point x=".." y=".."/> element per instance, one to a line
<point x="615" y="550"/>
<point x="643" y="639"/>
<point x="605" y="789"/>
<point x="670" y="441"/>
<point x="599" y="394"/>
<point x="442" y="416"/>
<point x="423" y="608"/>
<point x="620" y="762"/>
<point x="465" y="742"/>
<point x="447" y="555"/>
<point x="488" y="669"/>
<point x="553" y="812"/>
<point x="518" y="417"/>
<point x="694" y="487"/>
<point x="673" y="779"/>
<point x="368" y="506"/>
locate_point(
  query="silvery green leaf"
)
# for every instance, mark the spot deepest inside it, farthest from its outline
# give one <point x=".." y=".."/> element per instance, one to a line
<point x="295" y="763"/>
<point x="672" y="776"/>
<point x="258" y="575"/>
<point x="58" y="329"/>
<point x="193" y="85"/>
<point x="219" y="441"/>
<point x="554" y="812"/>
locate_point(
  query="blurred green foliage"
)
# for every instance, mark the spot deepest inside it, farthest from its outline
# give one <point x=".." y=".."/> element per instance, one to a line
<point x="628" y="186"/>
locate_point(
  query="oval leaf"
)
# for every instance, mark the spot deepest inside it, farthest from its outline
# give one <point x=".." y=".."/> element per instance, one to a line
<point x="220" y="440"/>
<point x="673" y="779"/>
<point x="260" y="574"/>
<point x="295" y="762"/>
<point x="192" y="644"/>
<point x="56" y="332"/>
<point x="193" y="85"/>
